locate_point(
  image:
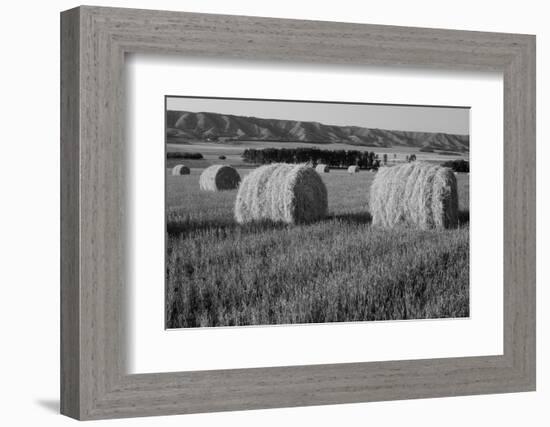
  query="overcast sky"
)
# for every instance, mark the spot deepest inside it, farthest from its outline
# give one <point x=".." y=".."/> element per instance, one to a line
<point x="392" y="117"/>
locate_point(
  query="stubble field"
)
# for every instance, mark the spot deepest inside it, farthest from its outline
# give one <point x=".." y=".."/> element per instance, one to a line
<point x="219" y="273"/>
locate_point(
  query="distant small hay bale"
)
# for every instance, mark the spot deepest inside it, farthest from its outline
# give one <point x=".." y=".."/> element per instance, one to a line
<point x="180" y="170"/>
<point x="281" y="192"/>
<point x="218" y="178"/>
<point x="353" y="169"/>
<point x="222" y="157"/>
<point x="418" y="194"/>
<point x="322" y="168"/>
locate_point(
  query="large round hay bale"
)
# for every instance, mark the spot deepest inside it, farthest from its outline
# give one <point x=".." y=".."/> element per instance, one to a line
<point x="322" y="168"/>
<point x="283" y="193"/>
<point x="418" y="194"/>
<point x="353" y="169"/>
<point x="219" y="177"/>
<point x="180" y="170"/>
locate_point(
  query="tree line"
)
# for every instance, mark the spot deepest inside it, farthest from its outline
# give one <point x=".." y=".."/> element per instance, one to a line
<point x="332" y="158"/>
<point x="183" y="155"/>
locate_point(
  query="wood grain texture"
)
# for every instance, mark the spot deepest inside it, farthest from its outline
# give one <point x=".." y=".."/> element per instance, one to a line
<point x="94" y="269"/>
<point x="70" y="292"/>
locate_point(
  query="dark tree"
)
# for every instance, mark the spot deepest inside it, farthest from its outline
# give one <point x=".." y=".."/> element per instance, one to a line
<point x="183" y="155"/>
<point x="457" y="165"/>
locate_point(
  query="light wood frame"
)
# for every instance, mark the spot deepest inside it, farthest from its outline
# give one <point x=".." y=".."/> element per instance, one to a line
<point x="94" y="41"/>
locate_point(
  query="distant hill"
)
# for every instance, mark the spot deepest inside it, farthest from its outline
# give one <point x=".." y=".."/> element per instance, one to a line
<point x="184" y="125"/>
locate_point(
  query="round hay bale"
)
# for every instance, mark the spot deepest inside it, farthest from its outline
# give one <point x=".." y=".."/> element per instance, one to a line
<point x="218" y="178"/>
<point x="353" y="169"/>
<point x="180" y="170"/>
<point x="322" y="168"/>
<point x="281" y="192"/>
<point x="418" y="194"/>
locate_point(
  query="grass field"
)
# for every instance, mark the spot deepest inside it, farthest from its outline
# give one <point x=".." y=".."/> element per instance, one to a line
<point x="234" y="150"/>
<point x="340" y="269"/>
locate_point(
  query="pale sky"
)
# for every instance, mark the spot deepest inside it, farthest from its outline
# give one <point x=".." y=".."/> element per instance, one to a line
<point x="446" y="119"/>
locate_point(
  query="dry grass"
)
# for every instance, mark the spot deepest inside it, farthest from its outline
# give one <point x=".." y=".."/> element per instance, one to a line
<point x="266" y="274"/>
<point x="220" y="273"/>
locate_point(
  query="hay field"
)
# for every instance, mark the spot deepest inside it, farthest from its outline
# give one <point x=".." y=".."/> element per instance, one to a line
<point x="219" y="273"/>
<point x="234" y="150"/>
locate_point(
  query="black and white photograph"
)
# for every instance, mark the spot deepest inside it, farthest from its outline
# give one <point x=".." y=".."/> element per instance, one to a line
<point x="284" y="213"/>
<point x="294" y="212"/>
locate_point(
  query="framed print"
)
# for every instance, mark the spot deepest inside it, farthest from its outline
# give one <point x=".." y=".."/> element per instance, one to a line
<point x="262" y="164"/>
<point x="261" y="213"/>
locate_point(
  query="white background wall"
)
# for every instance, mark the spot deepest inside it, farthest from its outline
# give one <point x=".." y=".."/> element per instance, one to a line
<point x="29" y="212"/>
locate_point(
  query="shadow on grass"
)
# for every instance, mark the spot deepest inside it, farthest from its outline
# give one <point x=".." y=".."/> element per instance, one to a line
<point x="186" y="227"/>
<point x="463" y="218"/>
<point x="221" y="227"/>
<point x="353" y="218"/>
<point x="226" y="226"/>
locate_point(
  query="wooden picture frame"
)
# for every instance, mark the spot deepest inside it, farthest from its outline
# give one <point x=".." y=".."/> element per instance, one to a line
<point x="94" y="41"/>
